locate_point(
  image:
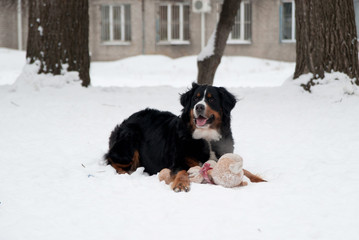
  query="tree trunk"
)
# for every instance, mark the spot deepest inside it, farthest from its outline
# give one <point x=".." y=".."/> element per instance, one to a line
<point x="207" y="67"/>
<point x="58" y="36"/>
<point x="326" y="38"/>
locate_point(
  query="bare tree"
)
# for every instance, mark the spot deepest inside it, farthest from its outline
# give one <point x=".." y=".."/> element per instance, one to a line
<point x="207" y="66"/>
<point x="326" y="38"/>
<point x="59" y="36"/>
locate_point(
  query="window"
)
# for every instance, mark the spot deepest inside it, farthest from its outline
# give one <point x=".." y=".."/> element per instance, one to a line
<point x="174" y="23"/>
<point x="115" y="23"/>
<point x="242" y="29"/>
<point x="287" y="21"/>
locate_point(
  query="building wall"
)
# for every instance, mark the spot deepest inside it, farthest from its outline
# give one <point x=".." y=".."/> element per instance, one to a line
<point x="171" y="50"/>
<point x="104" y="52"/>
<point x="8" y="25"/>
<point x="265" y="35"/>
<point x="141" y="43"/>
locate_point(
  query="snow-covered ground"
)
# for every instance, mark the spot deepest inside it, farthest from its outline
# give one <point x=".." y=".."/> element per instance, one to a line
<point x="53" y="136"/>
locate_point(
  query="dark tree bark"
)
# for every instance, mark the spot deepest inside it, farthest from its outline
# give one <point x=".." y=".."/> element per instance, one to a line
<point x="326" y="39"/>
<point x="207" y="67"/>
<point x="58" y="35"/>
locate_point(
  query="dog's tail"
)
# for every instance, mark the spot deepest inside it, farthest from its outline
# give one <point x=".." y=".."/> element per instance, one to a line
<point x="252" y="177"/>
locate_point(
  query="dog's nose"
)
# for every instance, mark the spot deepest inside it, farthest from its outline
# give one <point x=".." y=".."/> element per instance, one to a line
<point x="199" y="107"/>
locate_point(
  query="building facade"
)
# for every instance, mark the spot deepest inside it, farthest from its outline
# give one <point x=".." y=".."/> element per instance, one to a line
<point x="124" y="28"/>
<point x="172" y="28"/>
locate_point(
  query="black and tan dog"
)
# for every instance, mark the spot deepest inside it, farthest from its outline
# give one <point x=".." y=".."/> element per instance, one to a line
<point x="155" y="139"/>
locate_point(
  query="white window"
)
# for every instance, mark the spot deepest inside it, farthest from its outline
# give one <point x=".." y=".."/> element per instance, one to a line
<point x="287" y="21"/>
<point x="174" y="23"/>
<point x="116" y="23"/>
<point x="242" y="28"/>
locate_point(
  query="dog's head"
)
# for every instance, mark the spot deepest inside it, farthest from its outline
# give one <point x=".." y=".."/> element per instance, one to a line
<point x="207" y="111"/>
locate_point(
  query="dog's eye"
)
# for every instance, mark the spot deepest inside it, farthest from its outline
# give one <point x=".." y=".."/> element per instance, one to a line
<point x="195" y="99"/>
<point x="211" y="99"/>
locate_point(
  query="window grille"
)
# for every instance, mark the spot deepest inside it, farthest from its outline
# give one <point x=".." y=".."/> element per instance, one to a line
<point x="174" y="23"/>
<point x="116" y="23"/>
<point x="242" y="28"/>
<point x="287" y="21"/>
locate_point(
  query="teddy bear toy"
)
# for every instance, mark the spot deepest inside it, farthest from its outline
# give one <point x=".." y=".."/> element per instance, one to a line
<point x="227" y="172"/>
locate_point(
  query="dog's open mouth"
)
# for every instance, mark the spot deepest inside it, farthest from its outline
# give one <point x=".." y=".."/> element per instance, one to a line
<point x="202" y="121"/>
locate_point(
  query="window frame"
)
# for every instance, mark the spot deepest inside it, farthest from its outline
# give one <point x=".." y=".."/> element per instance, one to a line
<point x="241" y="40"/>
<point x="111" y="40"/>
<point x="170" y="40"/>
<point x="293" y="39"/>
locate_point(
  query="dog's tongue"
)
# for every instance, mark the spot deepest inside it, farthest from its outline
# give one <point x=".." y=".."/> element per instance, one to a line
<point x="201" y="121"/>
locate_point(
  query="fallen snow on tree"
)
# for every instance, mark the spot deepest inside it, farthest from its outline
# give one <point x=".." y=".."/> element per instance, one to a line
<point x="208" y="50"/>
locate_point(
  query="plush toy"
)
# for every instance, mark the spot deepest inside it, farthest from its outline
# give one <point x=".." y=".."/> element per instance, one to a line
<point x="227" y="172"/>
<point x="165" y="175"/>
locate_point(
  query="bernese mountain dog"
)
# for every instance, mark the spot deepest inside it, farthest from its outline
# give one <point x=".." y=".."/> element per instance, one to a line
<point x="156" y="140"/>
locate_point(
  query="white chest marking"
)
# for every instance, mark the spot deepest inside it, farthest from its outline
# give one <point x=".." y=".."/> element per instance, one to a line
<point x="206" y="134"/>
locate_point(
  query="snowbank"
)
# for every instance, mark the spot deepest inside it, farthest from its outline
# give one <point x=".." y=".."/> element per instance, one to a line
<point x="333" y="84"/>
<point x="29" y="78"/>
<point x="147" y="70"/>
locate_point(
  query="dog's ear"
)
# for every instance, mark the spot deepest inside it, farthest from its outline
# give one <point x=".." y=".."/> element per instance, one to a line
<point x="194" y="85"/>
<point x="228" y="100"/>
<point x="186" y="97"/>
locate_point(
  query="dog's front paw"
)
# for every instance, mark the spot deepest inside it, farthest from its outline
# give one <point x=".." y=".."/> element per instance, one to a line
<point x="181" y="182"/>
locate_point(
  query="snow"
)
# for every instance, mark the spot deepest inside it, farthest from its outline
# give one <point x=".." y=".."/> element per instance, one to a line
<point x="208" y="50"/>
<point x="53" y="184"/>
<point x="29" y="79"/>
<point x="160" y="70"/>
<point x="40" y="29"/>
<point x="340" y="83"/>
<point x="11" y="64"/>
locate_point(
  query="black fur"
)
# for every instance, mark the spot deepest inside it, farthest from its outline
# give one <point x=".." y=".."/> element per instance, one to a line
<point x="164" y="140"/>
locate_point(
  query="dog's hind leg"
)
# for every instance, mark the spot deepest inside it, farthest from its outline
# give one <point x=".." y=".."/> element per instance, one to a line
<point x="123" y="154"/>
<point x="252" y="177"/>
<point x="122" y="168"/>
